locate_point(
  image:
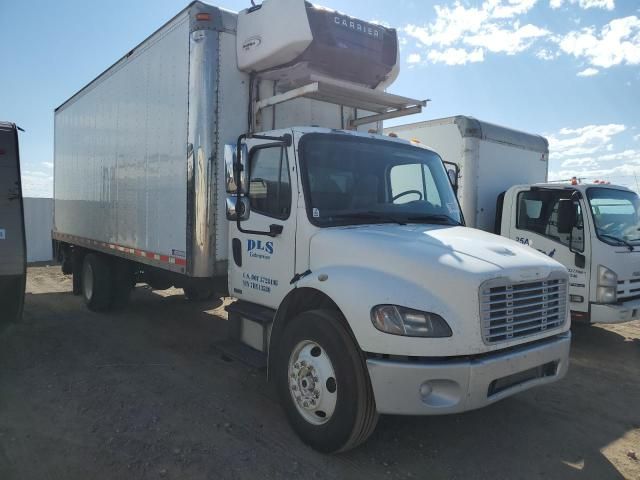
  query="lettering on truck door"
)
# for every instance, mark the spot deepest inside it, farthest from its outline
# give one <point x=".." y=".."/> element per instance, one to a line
<point x="537" y="227"/>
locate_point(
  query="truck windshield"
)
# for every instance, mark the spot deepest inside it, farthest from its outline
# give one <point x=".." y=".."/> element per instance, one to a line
<point x="352" y="180"/>
<point x="616" y="215"/>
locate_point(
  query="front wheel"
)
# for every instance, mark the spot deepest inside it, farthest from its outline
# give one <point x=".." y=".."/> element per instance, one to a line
<point x="323" y="383"/>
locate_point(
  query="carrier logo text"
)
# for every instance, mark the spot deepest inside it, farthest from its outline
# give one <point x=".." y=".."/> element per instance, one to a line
<point x="357" y="26"/>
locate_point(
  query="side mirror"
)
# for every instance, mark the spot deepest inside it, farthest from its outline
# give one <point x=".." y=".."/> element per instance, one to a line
<point x="236" y="172"/>
<point x="238" y="210"/>
<point x="453" y="177"/>
<point x="567" y="215"/>
<point x="453" y="172"/>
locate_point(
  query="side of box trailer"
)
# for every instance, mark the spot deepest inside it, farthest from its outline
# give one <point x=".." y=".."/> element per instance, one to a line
<point x="139" y="151"/>
<point x="120" y="176"/>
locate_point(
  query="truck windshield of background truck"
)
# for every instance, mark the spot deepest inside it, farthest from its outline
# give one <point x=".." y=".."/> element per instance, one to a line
<point x="352" y="180"/>
<point x="616" y="214"/>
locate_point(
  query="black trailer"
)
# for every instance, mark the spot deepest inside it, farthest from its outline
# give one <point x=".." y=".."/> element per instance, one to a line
<point x="13" y="251"/>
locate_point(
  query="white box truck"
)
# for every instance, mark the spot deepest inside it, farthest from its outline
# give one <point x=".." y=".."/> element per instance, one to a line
<point x="238" y="153"/>
<point x="593" y="230"/>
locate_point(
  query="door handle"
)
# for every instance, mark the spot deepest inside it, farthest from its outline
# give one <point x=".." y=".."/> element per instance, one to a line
<point x="275" y="230"/>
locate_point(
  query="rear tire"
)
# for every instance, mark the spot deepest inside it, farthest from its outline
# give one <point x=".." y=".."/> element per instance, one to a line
<point x="331" y="414"/>
<point x="76" y="266"/>
<point x="96" y="282"/>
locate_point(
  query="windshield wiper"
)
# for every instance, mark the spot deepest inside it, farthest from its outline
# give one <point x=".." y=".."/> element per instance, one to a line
<point x="435" y="217"/>
<point x="370" y="216"/>
<point x="629" y="245"/>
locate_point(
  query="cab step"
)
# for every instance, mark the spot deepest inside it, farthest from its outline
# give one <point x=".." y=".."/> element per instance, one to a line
<point x="236" y="350"/>
<point x="248" y="334"/>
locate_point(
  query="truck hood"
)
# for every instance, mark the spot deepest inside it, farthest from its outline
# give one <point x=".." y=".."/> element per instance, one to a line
<point x="430" y="248"/>
<point x="432" y="268"/>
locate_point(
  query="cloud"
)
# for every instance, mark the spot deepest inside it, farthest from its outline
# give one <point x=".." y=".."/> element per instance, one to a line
<point x="577" y="142"/>
<point x="605" y="4"/>
<point x="37" y="184"/>
<point x="589" y="153"/>
<point x="466" y="33"/>
<point x="456" y="56"/>
<point x="510" y="41"/>
<point x="579" y="162"/>
<point x="626" y="155"/>
<point x="545" y="54"/>
<point x="618" y="42"/>
<point x="588" y="72"/>
<point x="48" y="164"/>
<point x="469" y="33"/>
<point x="414" y="58"/>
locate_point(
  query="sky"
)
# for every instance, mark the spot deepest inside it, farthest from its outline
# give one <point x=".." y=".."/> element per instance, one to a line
<point x="565" y="69"/>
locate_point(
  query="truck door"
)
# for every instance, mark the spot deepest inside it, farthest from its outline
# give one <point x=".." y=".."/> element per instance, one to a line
<point x="261" y="266"/>
<point x="535" y="225"/>
<point x="12" y="240"/>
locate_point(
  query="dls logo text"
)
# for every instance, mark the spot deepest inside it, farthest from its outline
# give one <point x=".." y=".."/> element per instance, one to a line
<point x="260" y="249"/>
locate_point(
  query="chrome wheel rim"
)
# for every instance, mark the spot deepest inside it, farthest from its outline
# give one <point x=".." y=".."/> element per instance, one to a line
<point x="312" y="382"/>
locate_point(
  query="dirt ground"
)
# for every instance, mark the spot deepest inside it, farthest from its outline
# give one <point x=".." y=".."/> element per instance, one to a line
<point x="144" y="394"/>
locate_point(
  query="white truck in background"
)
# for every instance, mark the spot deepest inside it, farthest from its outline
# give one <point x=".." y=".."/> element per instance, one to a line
<point x="593" y="230"/>
<point x="193" y="162"/>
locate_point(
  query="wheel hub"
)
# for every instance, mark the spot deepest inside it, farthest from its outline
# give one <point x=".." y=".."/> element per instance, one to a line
<point x="312" y="382"/>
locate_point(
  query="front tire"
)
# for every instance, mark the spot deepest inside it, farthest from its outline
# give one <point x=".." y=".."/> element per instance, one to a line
<point x="96" y="282"/>
<point x="323" y="384"/>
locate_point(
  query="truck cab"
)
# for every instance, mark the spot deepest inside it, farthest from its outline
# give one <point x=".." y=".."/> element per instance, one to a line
<point x="339" y="237"/>
<point x="594" y="230"/>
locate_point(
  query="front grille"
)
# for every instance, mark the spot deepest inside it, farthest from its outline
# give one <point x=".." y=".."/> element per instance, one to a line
<point x="517" y="310"/>
<point x="629" y="289"/>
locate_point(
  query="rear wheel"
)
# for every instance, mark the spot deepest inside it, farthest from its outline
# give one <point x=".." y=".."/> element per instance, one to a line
<point x="96" y="282"/>
<point x="77" y="261"/>
<point x="323" y="383"/>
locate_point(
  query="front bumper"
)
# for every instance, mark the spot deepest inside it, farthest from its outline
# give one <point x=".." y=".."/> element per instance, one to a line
<point x="615" y="313"/>
<point x="441" y="386"/>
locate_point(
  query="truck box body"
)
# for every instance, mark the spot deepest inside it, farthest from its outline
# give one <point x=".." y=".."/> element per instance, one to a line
<point x="491" y="158"/>
<point x="138" y="151"/>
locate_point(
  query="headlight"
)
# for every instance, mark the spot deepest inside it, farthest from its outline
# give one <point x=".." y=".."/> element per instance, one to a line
<point x="411" y="323"/>
<point x="606" y="295"/>
<point x="607" y="277"/>
<point x="607" y="291"/>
